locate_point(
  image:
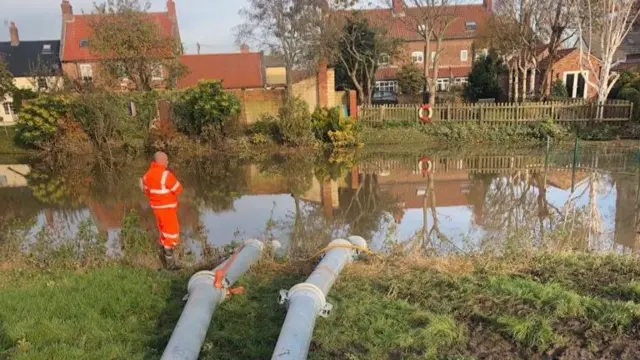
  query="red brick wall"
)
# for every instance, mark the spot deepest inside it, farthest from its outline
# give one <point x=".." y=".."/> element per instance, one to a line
<point x="450" y="54"/>
<point x="570" y="63"/>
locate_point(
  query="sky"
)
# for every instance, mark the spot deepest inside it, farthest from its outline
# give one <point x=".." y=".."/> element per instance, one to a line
<point x="209" y="22"/>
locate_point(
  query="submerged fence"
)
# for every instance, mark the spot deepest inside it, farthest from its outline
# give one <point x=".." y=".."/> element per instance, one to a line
<point x="565" y="113"/>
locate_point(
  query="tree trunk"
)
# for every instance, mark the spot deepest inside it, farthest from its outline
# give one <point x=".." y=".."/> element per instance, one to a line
<point x="510" y="88"/>
<point x="524" y="70"/>
<point x="516" y="84"/>
<point x="532" y="81"/>
<point x="289" y="79"/>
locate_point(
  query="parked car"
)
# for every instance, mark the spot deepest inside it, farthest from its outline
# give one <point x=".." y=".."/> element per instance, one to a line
<point x="384" y="98"/>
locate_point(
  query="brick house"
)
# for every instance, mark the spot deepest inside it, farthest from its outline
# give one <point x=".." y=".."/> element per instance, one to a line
<point x="34" y="65"/>
<point x="80" y="64"/>
<point x="457" y="53"/>
<point x="567" y="69"/>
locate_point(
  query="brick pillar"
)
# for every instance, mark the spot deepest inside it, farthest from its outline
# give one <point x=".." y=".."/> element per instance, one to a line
<point x="355" y="178"/>
<point x="323" y="84"/>
<point x="353" y="104"/>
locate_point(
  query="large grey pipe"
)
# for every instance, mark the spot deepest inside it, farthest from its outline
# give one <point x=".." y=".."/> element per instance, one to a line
<point x="191" y="330"/>
<point x="307" y="300"/>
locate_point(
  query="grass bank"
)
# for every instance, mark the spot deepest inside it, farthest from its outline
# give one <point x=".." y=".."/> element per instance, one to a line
<point x="569" y="307"/>
<point x="8" y="145"/>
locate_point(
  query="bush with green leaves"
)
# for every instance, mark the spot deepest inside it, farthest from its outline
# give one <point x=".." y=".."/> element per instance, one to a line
<point x="483" y="80"/>
<point x="38" y="121"/>
<point x="294" y="122"/>
<point x="206" y="105"/>
<point x="331" y="127"/>
<point x="411" y="80"/>
<point x="105" y="117"/>
<point x="559" y="90"/>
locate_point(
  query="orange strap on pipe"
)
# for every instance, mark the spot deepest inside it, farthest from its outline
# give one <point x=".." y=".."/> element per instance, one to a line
<point x="220" y="273"/>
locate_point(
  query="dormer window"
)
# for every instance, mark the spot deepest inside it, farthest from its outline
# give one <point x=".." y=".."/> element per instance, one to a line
<point x="46" y="49"/>
<point x="84" y="43"/>
<point x="471" y="25"/>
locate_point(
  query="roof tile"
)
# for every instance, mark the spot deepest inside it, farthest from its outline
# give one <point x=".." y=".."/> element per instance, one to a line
<point x="236" y="71"/>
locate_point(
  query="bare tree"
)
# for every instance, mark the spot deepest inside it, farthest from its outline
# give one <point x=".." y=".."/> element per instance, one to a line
<point x="431" y="20"/>
<point x="287" y="27"/>
<point x="602" y="26"/>
<point x="496" y="36"/>
<point x="556" y="28"/>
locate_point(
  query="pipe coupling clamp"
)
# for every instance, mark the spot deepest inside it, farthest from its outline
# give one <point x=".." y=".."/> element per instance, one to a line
<point x="309" y="290"/>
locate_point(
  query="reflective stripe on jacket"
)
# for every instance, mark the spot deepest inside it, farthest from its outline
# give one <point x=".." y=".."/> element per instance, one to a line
<point x="161" y="187"/>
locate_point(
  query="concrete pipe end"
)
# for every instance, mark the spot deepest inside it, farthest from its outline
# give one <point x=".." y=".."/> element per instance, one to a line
<point x="308" y="290"/>
<point x="358" y="241"/>
<point x="255" y="243"/>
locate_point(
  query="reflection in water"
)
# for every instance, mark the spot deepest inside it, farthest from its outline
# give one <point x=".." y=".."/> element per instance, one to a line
<point x="489" y="202"/>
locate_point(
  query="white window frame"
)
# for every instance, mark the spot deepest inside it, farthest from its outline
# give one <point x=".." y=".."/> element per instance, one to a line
<point x="417" y="57"/>
<point x="574" y="91"/>
<point x="9" y="108"/>
<point x="387" y="86"/>
<point x="157" y="73"/>
<point x="433" y="56"/>
<point x="383" y="60"/>
<point x="461" y="80"/>
<point x="464" y="55"/>
<point x="442" y="84"/>
<point x="86" y="72"/>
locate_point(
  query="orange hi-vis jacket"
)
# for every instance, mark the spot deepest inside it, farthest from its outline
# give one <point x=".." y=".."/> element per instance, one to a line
<point x="161" y="187"/>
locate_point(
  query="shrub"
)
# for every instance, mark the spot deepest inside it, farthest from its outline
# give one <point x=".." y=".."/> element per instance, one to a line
<point x="483" y="80"/>
<point x="559" y="90"/>
<point x="330" y="126"/>
<point x="294" y="123"/>
<point x="206" y="105"/>
<point x="411" y="80"/>
<point x="106" y="119"/>
<point x="38" y="122"/>
<point x="267" y="126"/>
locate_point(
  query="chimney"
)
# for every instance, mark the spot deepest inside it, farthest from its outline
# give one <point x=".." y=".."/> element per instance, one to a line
<point x="171" y="9"/>
<point x="244" y="48"/>
<point x="397" y="7"/>
<point x="488" y="5"/>
<point x="67" y="11"/>
<point x="13" y="34"/>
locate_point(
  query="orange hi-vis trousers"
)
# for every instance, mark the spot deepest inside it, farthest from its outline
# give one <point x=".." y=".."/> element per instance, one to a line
<point x="168" y="226"/>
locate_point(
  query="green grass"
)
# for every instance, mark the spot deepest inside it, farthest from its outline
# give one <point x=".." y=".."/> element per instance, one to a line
<point x="557" y="306"/>
<point x="7" y="145"/>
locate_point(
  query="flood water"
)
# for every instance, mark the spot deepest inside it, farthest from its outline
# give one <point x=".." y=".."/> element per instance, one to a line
<point x="446" y="201"/>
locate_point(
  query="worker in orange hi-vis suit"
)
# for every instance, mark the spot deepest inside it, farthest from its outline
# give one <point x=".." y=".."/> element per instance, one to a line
<point x="162" y="188"/>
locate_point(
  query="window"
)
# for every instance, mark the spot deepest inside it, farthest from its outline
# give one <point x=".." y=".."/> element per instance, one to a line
<point x="461" y="81"/>
<point x="387" y="86"/>
<point x="84" y="43"/>
<point x="3" y="180"/>
<point x="8" y="108"/>
<point x="464" y="55"/>
<point x="46" y="49"/>
<point x="42" y="83"/>
<point x="470" y="25"/>
<point x="433" y="56"/>
<point x="422" y="28"/>
<point x="442" y="84"/>
<point x="156" y="72"/>
<point x="86" y="72"/>
<point x="383" y="60"/>
<point x="482" y="52"/>
<point x="417" y="57"/>
<point x="576" y="84"/>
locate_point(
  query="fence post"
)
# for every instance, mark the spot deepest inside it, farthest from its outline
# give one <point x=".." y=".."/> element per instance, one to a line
<point x="631" y="111"/>
<point x="481" y="117"/>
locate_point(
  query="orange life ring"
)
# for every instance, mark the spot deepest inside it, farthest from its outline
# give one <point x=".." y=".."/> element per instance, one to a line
<point x="421" y="114"/>
<point x="425" y="169"/>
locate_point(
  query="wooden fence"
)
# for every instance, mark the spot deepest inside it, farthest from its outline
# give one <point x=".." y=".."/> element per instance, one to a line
<point x="565" y="113"/>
